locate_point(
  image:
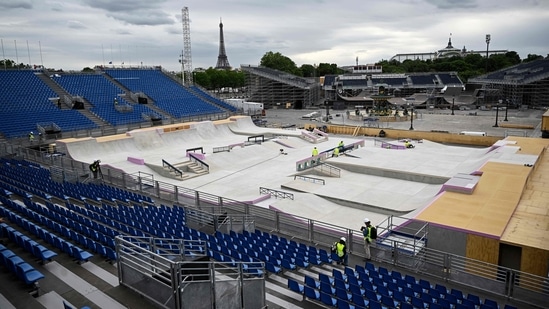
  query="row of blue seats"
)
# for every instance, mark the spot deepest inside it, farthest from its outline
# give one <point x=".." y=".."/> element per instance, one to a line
<point x="60" y="243"/>
<point x="250" y="266"/>
<point x="168" y="95"/>
<point x="271" y="242"/>
<point x="25" y="101"/>
<point x="129" y="228"/>
<point x="37" y="180"/>
<point x="66" y="225"/>
<point x="359" y="287"/>
<point x="44" y="254"/>
<point x="162" y="212"/>
<point x="209" y="97"/>
<point x="17" y="265"/>
<point x="101" y="92"/>
<point x="274" y="261"/>
<point x="282" y="254"/>
<point x="169" y="227"/>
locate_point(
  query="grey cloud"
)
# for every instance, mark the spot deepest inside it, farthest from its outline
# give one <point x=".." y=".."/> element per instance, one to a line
<point x="453" y="4"/>
<point x="16" y="4"/>
<point x="73" y="24"/>
<point x="147" y="18"/>
<point x="123" y="5"/>
<point x="134" y="12"/>
<point x="122" y="32"/>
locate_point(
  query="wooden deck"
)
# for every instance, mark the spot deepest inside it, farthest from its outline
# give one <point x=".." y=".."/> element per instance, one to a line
<point x="507" y="196"/>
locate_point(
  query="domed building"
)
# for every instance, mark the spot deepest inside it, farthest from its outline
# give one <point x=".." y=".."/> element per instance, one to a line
<point x="447" y="52"/>
<point x="450" y="51"/>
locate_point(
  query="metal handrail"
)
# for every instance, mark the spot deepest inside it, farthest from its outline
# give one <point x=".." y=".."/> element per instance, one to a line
<point x="172" y="168"/>
<point x="276" y="193"/>
<point x="311" y="179"/>
<point x="202" y="164"/>
<point x="329" y="169"/>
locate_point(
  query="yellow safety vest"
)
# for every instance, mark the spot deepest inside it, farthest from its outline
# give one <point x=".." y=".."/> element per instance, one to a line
<point x="339" y="249"/>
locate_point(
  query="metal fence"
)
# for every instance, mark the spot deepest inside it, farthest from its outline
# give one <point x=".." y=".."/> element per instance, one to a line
<point x="171" y="274"/>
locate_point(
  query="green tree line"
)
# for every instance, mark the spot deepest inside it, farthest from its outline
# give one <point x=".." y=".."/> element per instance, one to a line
<point x="467" y="67"/>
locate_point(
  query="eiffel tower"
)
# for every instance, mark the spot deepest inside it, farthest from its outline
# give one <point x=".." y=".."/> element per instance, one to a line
<point x="222" y="61"/>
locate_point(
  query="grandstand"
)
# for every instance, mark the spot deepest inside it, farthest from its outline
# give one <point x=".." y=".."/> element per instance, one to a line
<point x="25" y="103"/>
<point x="428" y="89"/>
<point x="275" y="88"/>
<point x="255" y="231"/>
<point x="85" y="104"/>
<point x="522" y="85"/>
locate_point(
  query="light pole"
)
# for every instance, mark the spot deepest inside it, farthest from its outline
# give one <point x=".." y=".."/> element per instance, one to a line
<point x="453" y="97"/>
<point x="497" y="113"/>
<point x="412" y="116"/>
<point x="506" y="108"/>
<point x="487" y="44"/>
<point x="182" y="63"/>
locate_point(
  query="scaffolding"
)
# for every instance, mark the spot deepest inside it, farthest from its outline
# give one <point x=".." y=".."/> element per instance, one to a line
<point x="186" y="57"/>
<point x="276" y="88"/>
<point x="524" y="85"/>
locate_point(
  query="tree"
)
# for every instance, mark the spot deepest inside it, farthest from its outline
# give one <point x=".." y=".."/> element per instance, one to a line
<point x="308" y="70"/>
<point x="328" y="69"/>
<point x="214" y="79"/>
<point x="532" y="57"/>
<point x="202" y="79"/>
<point x="7" y="63"/>
<point x="279" y="62"/>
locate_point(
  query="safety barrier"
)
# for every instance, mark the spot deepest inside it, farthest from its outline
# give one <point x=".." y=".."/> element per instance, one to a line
<point x="178" y="274"/>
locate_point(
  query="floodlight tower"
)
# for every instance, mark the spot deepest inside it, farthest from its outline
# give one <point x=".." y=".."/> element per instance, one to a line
<point x="187" y="58"/>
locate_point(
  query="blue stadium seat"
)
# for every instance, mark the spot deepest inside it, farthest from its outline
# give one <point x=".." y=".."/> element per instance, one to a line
<point x="270" y="267"/>
<point x="44" y="254"/>
<point x="295" y="286"/>
<point x="28" y="274"/>
<point x="311" y="293"/>
<point x="327" y="299"/>
<point x="374" y="305"/>
<point x="80" y="255"/>
<point x="309" y="281"/>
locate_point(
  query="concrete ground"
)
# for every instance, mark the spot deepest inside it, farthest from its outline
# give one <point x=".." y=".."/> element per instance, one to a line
<point x="440" y="120"/>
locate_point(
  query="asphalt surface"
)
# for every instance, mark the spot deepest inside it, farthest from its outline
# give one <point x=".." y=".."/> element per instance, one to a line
<point x="438" y="120"/>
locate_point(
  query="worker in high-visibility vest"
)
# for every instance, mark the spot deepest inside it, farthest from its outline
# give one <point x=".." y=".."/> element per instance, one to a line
<point x="340" y="249"/>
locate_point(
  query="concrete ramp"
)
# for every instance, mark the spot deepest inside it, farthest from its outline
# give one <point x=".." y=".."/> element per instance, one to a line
<point x="244" y="125"/>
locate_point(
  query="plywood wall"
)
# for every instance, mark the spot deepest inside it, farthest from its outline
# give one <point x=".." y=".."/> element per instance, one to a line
<point x="482" y="249"/>
<point x="431" y="136"/>
<point x="534" y="261"/>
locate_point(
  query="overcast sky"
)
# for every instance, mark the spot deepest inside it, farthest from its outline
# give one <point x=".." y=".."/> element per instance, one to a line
<point x="74" y="34"/>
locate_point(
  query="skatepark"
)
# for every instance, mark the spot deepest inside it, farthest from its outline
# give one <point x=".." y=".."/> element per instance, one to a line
<point x="374" y="181"/>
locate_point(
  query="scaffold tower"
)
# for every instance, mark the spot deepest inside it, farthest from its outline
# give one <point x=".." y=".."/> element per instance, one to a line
<point x="187" y="58"/>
